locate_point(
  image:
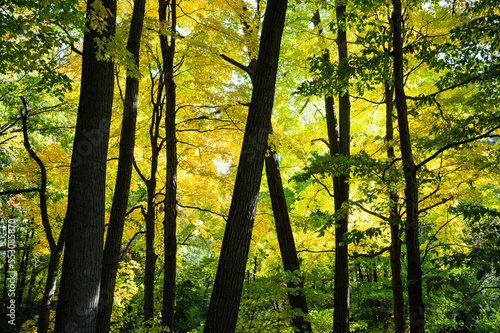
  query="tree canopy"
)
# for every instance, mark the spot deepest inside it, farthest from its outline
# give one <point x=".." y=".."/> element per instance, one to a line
<point x="382" y="158"/>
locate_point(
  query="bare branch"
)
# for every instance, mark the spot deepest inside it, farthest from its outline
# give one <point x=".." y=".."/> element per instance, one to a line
<point x="203" y="210"/>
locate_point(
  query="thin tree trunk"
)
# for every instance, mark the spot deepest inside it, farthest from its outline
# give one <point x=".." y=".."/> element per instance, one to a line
<point x="51" y="283"/>
<point x="170" y="203"/>
<point x="55" y="248"/>
<point x="22" y="271"/>
<point x="114" y="235"/>
<point x="224" y="303"/>
<point x="154" y="137"/>
<point x="149" y="271"/>
<point x="415" y="298"/>
<point x="341" y="196"/>
<point x="81" y="274"/>
<point x="286" y="242"/>
<point x="394" y="217"/>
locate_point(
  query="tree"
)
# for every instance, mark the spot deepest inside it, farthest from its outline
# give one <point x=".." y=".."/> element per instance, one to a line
<point x="81" y="274"/>
<point x="341" y="185"/>
<point x="284" y="232"/>
<point x="170" y="202"/>
<point x="113" y="243"/>
<point x="415" y="297"/>
<point x="224" y="303"/>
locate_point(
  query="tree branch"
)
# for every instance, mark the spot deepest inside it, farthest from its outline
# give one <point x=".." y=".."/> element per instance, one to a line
<point x="43" y="183"/>
<point x="203" y="210"/>
<point x="12" y="192"/>
<point x="454" y="144"/>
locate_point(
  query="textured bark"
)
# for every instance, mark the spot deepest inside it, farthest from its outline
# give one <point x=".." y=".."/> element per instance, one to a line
<point x="224" y="303"/>
<point x="394" y="216"/>
<point x="114" y="235"/>
<point x="286" y="242"/>
<point x="341" y="192"/>
<point x="170" y="203"/>
<point x="415" y="299"/>
<point x="81" y="273"/>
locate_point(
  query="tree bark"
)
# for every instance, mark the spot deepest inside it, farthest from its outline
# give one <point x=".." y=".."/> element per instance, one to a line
<point x="394" y="217"/>
<point x="415" y="298"/>
<point x="224" y="303"/>
<point x="170" y="203"/>
<point x="114" y="235"/>
<point x="286" y="242"/>
<point x="81" y="273"/>
<point x="341" y="195"/>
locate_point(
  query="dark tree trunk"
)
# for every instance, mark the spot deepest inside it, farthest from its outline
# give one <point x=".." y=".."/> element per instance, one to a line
<point x="224" y="303"/>
<point x="51" y="283"/>
<point x="415" y="299"/>
<point x="156" y="145"/>
<point x="55" y="248"/>
<point x="286" y="242"/>
<point x="394" y="218"/>
<point x="22" y="271"/>
<point x="149" y="271"/>
<point x="170" y="203"/>
<point x="81" y="274"/>
<point x="339" y="145"/>
<point x="341" y="195"/>
<point x="114" y="235"/>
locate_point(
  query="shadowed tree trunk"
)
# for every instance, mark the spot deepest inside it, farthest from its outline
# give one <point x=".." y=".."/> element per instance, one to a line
<point x="341" y="187"/>
<point x="55" y="248"/>
<point x="151" y="256"/>
<point x="339" y="144"/>
<point x="224" y="303"/>
<point x="415" y="298"/>
<point x="81" y="273"/>
<point x="286" y="242"/>
<point x="394" y="218"/>
<point x="114" y="235"/>
<point x="167" y="11"/>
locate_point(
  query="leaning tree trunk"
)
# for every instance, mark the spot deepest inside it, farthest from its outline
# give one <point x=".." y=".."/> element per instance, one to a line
<point x="114" y="235"/>
<point x="224" y="303"/>
<point x="341" y="190"/>
<point x="170" y="203"/>
<point x="415" y="298"/>
<point x="81" y="273"/>
<point x="296" y="297"/>
<point x="394" y="218"/>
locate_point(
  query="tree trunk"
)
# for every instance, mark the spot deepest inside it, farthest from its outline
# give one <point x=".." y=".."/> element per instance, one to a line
<point x="51" y="283"/>
<point x="340" y="186"/>
<point x="149" y="271"/>
<point x="114" y="235"/>
<point x="394" y="217"/>
<point x="81" y="274"/>
<point x="286" y="242"/>
<point x="341" y="195"/>
<point x="224" y="303"/>
<point x="55" y="248"/>
<point x="22" y="271"/>
<point x="415" y="299"/>
<point x="170" y="203"/>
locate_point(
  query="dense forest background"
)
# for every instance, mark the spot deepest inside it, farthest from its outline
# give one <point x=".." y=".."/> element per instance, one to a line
<point x="250" y="166"/>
